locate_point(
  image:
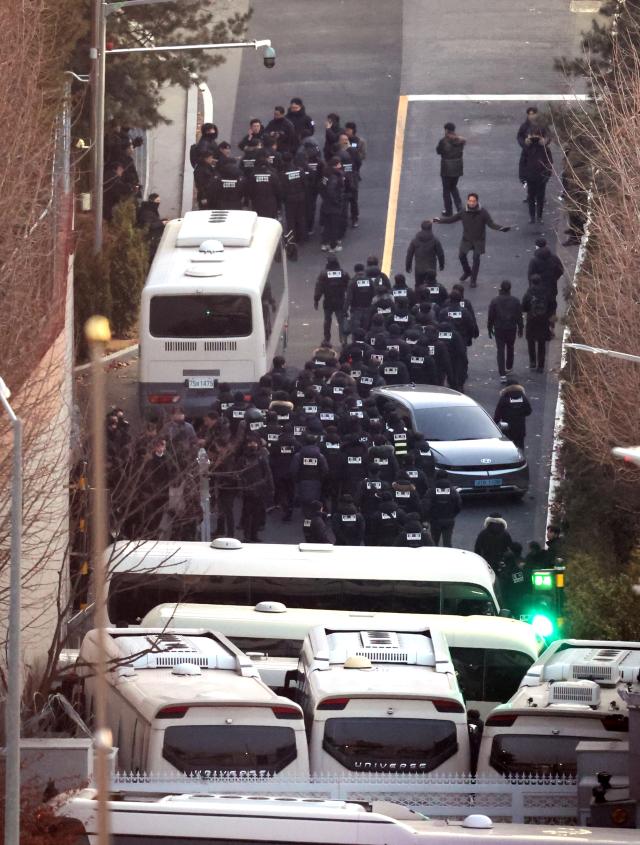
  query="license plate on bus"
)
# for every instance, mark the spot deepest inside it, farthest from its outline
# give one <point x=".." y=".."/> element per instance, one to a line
<point x="201" y="382"/>
<point x="487" y="482"/>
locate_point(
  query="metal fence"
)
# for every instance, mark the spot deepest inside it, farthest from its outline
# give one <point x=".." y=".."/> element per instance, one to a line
<point x="519" y="800"/>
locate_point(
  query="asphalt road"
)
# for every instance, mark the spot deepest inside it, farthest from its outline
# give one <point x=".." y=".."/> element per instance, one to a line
<point x="356" y="58"/>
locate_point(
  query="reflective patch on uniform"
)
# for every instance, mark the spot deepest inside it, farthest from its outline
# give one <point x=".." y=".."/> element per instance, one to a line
<point x="237" y="415"/>
<point x="310" y="462"/>
<point x="393" y="346"/>
<point x="298" y="429"/>
<point x="273" y="437"/>
<point x="357" y="414"/>
<point x="432" y="350"/>
<point x="412" y="536"/>
<point x="514" y="401"/>
<point x="283" y="417"/>
<point x="306" y="523"/>
<point x="225" y="406"/>
<point x="434" y="291"/>
<point x="366" y="379"/>
<point x="445" y="335"/>
<point x="382" y="462"/>
<point x="400" y="318"/>
<point x="375" y="484"/>
<point x="338" y="390"/>
<point x="390" y="371"/>
<point x="332" y="445"/>
<point x="356" y="373"/>
<point x="348" y="517"/>
<point x="401" y="436"/>
<point x="443" y="491"/>
<point x="363" y="283"/>
<point x="293" y="174"/>
<point x="229" y="183"/>
<point x="286" y="450"/>
<point x="334" y="274"/>
<point x="327" y="417"/>
<point x="255" y="426"/>
<point x="454" y="315"/>
<point x="310" y="409"/>
<point x="412" y="473"/>
<point x="415" y="359"/>
<point x="401" y="494"/>
<point x="354" y="460"/>
<point x="262" y="177"/>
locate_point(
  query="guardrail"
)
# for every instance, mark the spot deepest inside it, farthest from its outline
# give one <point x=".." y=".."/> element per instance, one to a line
<point x="518" y="799"/>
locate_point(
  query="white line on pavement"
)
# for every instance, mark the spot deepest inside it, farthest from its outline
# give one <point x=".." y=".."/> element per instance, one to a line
<point x="485" y="98"/>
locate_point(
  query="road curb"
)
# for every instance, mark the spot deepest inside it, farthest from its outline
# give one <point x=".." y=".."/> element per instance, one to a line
<point x="81" y="368"/>
<point x="555" y="472"/>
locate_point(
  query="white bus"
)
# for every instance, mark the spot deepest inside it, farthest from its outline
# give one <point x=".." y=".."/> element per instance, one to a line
<point x="438" y="580"/>
<point x="568" y="695"/>
<point x="155" y="819"/>
<point x="381" y="702"/>
<point x="191" y="703"/>
<point x="214" y="307"/>
<point x="490" y="653"/>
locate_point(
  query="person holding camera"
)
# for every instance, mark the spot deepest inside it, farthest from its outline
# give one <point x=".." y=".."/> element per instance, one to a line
<point x="532" y="122"/>
<point x="537" y="169"/>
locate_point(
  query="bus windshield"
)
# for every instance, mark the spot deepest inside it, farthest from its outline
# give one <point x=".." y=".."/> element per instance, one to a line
<point x="210" y="315"/>
<point x="133" y="594"/>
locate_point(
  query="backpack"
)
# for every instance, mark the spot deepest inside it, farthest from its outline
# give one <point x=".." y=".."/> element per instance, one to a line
<point x="538" y="306"/>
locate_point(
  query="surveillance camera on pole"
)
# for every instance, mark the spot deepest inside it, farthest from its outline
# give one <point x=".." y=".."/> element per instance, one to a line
<point x="630" y="455"/>
<point x="269" y="57"/>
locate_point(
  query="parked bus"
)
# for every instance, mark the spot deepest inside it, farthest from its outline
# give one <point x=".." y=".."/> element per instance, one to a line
<point x="192" y="819"/>
<point x="568" y="695"/>
<point x="490" y="654"/>
<point x="191" y="703"/>
<point x="438" y="580"/>
<point x="381" y="702"/>
<point x="214" y="307"/>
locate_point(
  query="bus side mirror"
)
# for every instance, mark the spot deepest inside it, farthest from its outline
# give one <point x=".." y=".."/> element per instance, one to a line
<point x="506" y="613"/>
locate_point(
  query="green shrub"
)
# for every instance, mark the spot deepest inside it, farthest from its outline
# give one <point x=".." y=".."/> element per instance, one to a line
<point x="599" y="606"/>
<point x="127" y="261"/>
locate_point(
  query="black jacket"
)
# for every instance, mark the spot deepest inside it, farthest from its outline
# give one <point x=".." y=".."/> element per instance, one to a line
<point x="443" y="503"/>
<point x="549" y="267"/>
<point x="427" y="251"/>
<point x="285" y="130"/>
<point x="474" y="227"/>
<point x="333" y="193"/>
<point x="537" y="162"/>
<point x="505" y="314"/>
<point x="450" y="150"/>
<point x="332" y="285"/>
<point x="513" y="408"/>
<point x="494" y="541"/>
<point x="539" y="306"/>
<point x="302" y="123"/>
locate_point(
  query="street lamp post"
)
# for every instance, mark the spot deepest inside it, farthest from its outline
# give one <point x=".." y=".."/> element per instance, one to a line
<point x="97" y="54"/>
<point x="97" y="333"/>
<point x="14" y="668"/>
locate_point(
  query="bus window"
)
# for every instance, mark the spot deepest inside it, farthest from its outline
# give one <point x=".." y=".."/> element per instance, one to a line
<point x="466" y="600"/>
<point x="229" y="749"/>
<point x="534" y="754"/>
<point x="210" y="315"/>
<point x="489" y="674"/>
<point x="275" y="283"/>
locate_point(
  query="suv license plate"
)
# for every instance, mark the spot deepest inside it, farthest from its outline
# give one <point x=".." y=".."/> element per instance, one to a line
<point x="487" y="482"/>
<point x="201" y="383"/>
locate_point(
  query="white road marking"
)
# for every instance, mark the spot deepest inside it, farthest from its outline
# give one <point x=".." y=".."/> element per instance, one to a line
<point x="486" y="98"/>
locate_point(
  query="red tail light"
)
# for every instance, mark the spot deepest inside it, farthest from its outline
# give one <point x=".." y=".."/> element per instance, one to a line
<point x="501" y="720"/>
<point x="284" y="712"/>
<point x="174" y="711"/>
<point x="163" y="398"/>
<point x="447" y="705"/>
<point x="615" y="722"/>
<point x="333" y="704"/>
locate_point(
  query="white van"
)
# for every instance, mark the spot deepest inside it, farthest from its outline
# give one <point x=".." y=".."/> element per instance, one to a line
<point x="490" y="654"/>
<point x="569" y="694"/>
<point x="142" y="575"/>
<point x="156" y="819"/>
<point x="381" y="702"/>
<point x="191" y="702"/>
<point x="214" y="307"/>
